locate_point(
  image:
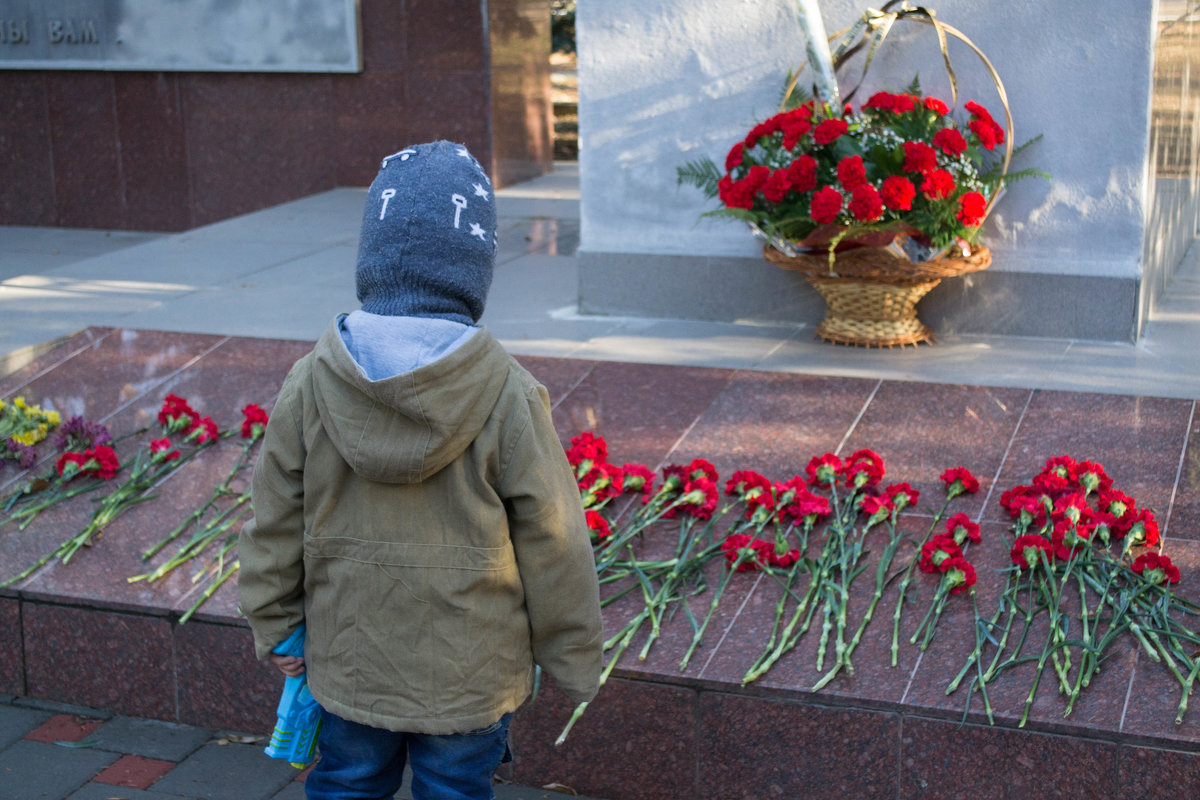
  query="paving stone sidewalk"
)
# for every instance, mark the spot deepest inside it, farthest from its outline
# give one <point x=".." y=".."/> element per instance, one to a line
<point x="53" y="751"/>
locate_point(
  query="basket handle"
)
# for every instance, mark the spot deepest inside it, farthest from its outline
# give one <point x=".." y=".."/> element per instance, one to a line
<point x="877" y="24"/>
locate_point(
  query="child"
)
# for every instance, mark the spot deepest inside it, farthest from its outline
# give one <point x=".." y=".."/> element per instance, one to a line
<point x="414" y="507"/>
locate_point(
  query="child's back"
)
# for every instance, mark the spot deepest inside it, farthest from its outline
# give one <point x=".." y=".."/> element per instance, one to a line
<point x="413" y="504"/>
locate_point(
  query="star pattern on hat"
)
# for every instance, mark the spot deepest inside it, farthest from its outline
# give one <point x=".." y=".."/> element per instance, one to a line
<point x="476" y="230"/>
<point x="480" y="191"/>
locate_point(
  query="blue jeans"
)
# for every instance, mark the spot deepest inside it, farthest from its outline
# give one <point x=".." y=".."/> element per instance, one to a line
<point x="362" y="762"/>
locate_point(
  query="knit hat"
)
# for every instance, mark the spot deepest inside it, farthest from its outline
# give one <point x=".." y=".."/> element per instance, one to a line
<point x="428" y="240"/>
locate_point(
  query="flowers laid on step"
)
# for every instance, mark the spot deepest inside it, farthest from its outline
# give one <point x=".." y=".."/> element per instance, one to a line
<point x="1082" y="565"/>
<point x="22" y="426"/>
<point x="1077" y="561"/>
<point x="1078" y="558"/>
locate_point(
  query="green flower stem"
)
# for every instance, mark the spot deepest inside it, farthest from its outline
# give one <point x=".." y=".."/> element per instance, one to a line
<point x="622" y="646"/>
<point x="881" y="582"/>
<point x="781" y="607"/>
<point x="1027" y="613"/>
<point x="29" y="513"/>
<point x="790" y="634"/>
<point x="907" y="579"/>
<point x="983" y="633"/>
<point x="712" y="606"/>
<point x="940" y="595"/>
<point x="210" y="591"/>
<point x="980" y="638"/>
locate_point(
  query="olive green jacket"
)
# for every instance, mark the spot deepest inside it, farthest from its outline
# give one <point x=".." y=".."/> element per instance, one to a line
<point x="429" y="531"/>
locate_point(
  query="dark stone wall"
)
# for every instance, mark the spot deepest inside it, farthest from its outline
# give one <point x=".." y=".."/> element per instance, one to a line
<point x="169" y="151"/>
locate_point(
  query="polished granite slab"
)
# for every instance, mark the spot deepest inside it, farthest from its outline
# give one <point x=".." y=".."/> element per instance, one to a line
<point x="82" y="633"/>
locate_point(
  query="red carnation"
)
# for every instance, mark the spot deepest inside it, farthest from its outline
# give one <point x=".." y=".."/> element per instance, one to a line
<point x="865" y="204"/>
<point x="823" y="469"/>
<point x="971" y="209"/>
<point x="829" y="130"/>
<point x="959" y="480"/>
<point x="803" y="173"/>
<point x="638" y="477"/>
<point x="934" y="104"/>
<point x="936" y="551"/>
<point x="826" y="205"/>
<point x="160" y="450"/>
<point x="863" y="468"/>
<point x="1156" y="568"/>
<point x="176" y="415"/>
<point x="959" y="573"/>
<point x="735" y="156"/>
<point x="937" y="185"/>
<point x="902" y="494"/>
<point x="598" y="525"/>
<point x="919" y="157"/>
<point x="254" y="421"/>
<point x="986" y="133"/>
<point x="587" y="446"/>
<point x="950" y="141"/>
<point x="744" y="481"/>
<point x="962" y="529"/>
<point x="756" y="176"/>
<point x="897" y="193"/>
<point x="735" y="194"/>
<point x="1024" y="552"/>
<point x="777" y="186"/>
<point x="795" y="127"/>
<point x="851" y="172"/>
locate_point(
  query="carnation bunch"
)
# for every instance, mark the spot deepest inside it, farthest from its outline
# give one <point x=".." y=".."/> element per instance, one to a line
<point x="145" y="471"/>
<point x="213" y="522"/>
<point x="902" y="164"/>
<point x="1078" y="559"/>
<point x="22" y="426"/>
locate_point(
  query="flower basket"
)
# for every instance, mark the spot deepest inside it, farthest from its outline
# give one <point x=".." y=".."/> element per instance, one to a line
<point x="871" y="295"/>
<point x="876" y="204"/>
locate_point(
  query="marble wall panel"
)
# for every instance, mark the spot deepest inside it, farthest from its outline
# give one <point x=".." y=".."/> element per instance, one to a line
<point x="89" y="191"/>
<point x="27" y="187"/>
<point x="229" y="117"/>
<point x="12" y="652"/>
<point x="945" y="759"/>
<point x="759" y="748"/>
<point x="118" y="662"/>
<point x="640" y="742"/>
<point x="153" y="149"/>
<point x="221" y="685"/>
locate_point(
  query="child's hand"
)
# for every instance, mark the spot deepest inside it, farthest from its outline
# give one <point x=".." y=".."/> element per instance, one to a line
<point x="292" y="666"/>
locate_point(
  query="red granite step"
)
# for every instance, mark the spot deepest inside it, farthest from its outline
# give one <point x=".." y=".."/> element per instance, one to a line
<point x="82" y="633"/>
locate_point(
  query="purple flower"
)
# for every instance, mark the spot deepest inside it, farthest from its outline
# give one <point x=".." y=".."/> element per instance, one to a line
<point x="79" y="434"/>
<point x="26" y="455"/>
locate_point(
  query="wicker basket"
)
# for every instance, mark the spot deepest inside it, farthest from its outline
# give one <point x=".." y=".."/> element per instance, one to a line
<point x="871" y="296"/>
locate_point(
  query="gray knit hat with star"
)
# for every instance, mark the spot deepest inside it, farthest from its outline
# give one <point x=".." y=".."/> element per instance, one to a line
<point x="428" y="240"/>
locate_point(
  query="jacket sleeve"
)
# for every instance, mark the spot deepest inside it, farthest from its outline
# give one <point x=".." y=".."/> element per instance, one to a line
<point x="271" y="545"/>
<point x="554" y="555"/>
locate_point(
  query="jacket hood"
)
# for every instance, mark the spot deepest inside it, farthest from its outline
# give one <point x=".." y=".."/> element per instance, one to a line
<point x="405" y="428"/>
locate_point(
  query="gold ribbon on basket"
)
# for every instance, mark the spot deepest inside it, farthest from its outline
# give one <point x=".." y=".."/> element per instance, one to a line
<point x="870" y="31"/>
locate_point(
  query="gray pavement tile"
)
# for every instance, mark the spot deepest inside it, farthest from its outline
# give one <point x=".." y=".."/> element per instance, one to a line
<point x="55" y="707"/>
<point x="167" y="741"/>
<point x="228" y="772"/>
<point x="293" y="791"/>
<point x="15" y="722"/>
<point x="105" y="791"/>
<point x="39" y="771"/>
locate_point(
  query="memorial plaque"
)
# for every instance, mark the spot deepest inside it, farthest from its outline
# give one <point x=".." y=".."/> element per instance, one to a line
<point x="181" y="35"/>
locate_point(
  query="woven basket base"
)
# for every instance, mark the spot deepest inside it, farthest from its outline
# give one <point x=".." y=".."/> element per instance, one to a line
<point x="871" y="314"/>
